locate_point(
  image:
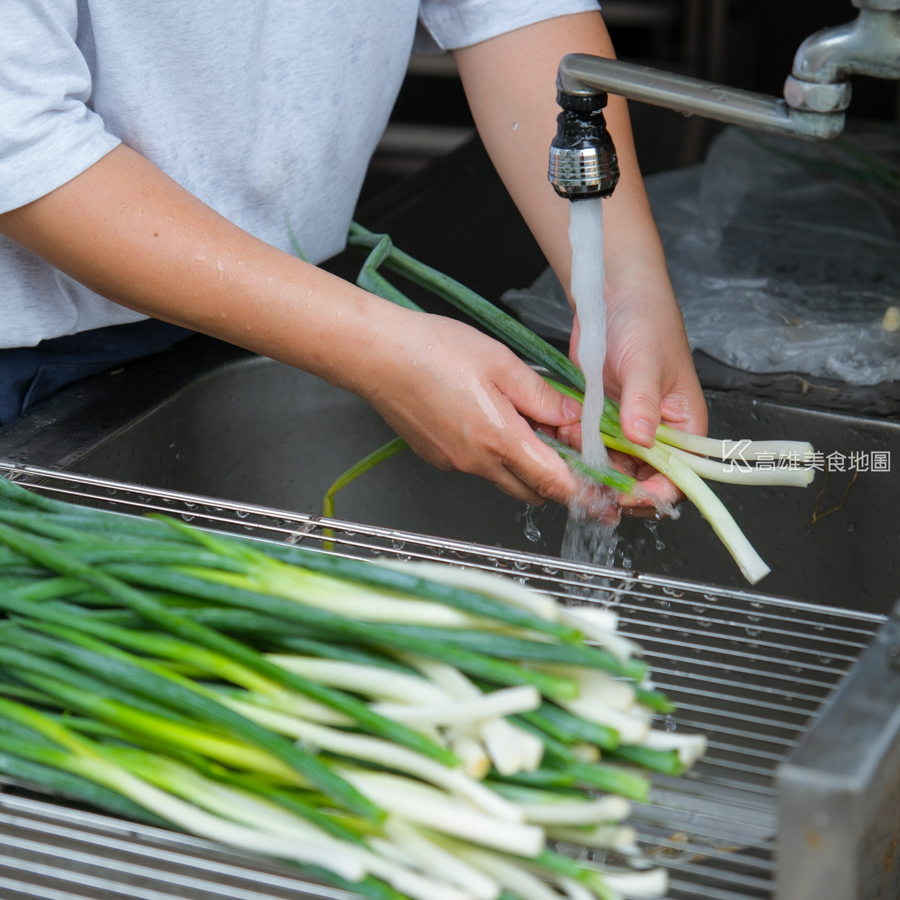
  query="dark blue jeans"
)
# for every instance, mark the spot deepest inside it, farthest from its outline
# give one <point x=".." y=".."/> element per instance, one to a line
<point x="29" y="375"/>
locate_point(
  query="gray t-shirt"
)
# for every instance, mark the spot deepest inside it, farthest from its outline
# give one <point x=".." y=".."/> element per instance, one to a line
<point x="267" y="110"/>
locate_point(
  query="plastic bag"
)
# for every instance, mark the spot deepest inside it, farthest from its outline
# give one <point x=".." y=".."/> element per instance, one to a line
<point x="784" y="255"/>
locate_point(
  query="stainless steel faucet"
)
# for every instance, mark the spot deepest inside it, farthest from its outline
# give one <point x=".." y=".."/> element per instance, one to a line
<point x="816" y="93"/>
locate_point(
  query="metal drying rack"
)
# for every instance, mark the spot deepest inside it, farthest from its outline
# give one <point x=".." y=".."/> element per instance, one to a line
<point x="748" y="670"/>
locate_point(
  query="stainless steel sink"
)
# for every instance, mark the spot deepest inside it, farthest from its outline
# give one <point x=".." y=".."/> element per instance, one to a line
<point x="256" y="431"/>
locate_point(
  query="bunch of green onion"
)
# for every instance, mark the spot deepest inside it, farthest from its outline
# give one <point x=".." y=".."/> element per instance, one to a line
<point x="396" y="729"/>
<point x="685" y="459"/>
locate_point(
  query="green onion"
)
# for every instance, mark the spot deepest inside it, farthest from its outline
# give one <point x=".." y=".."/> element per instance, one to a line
<point x="140" y="705"/>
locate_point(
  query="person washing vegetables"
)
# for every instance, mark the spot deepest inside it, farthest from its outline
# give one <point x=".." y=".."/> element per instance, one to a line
<point x="149" y="156"/>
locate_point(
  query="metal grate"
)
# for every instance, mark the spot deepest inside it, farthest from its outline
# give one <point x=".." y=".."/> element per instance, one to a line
<point x="748" y="670"/>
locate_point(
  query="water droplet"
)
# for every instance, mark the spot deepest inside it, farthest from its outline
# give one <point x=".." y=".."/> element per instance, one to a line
<point x="626" y="562"/>
<point x="825" y="660"/>
<point x="711" y="598"/>
<point x="111" y="492"/>
<point x="190" y="505"/>
<point x="242" y="513"/>
<point x="664" y="604"/>
<point x="187" y="518"/>
<point x="818" y="627"/>
<point x="704" y="623"/>
<point x="521" y="579"/>
<point x="398" y="545"/>
<point x="514" y="126"/>
<point x="754" y="618"/>
<point x="753" y="632"/>
<point x="756" y="605"/>
<point x="670" y="724"/>
<point x="851" y="526"/>
<point x="532" y="532"/>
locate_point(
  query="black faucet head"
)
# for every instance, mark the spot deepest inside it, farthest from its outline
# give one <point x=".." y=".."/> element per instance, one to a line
<point x="583" y="162"/>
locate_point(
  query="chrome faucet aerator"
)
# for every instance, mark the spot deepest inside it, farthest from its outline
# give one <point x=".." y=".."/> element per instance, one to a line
<point x="583" y="162"/>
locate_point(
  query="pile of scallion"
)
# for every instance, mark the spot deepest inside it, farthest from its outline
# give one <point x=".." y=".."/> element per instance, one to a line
<point x="396" y="729"/>
<point x="685" y="459"/>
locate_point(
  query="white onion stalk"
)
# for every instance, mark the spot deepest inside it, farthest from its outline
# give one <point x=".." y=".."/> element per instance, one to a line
<point x="719" y="449"/>
<point x="621" y="838"/>
<point x="574" y="890"/>
<point x="710" y="506"/>
<point x="295" y="705"/>
<point x="648" y="885"/>
<point x="471" y="753"/>
<point x="365" y="604"/>
<point x="325" y="852"/>
<point x="585" y="752"/>
<point x="511" y="749"/>
<point x="690" y="747"/>
<point x="633" y="725"/>
<point x="598" y="617"/>
<point x="389" y="863"/>
<point x="592" y="812"/>
<point x="438" y="862"/>
<point x="371" y="681"/>
<point x="492" y="585"/>
<point x="423" y="805"/>
<point x="532" y="749"/>
<point x="593" y="628"/>
<point x="732" y="473"/>
<point x="503" y="702"/>
<point x="384" y="753"/>
<point x="448" y="678"/>
<point x="596" y="685"/>
<point x="511" y="876"/>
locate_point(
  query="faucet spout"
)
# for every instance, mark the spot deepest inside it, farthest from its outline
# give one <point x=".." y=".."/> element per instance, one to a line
<point x="581" y="74"/>
<point x="815" y="94"/>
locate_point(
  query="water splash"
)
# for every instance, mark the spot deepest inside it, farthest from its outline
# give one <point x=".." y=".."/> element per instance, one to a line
<point x="532" y="532"/>
<point x="652" y="527"/>
<point x="591" y="534"/>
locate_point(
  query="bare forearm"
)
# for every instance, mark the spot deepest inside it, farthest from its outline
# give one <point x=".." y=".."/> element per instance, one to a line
<point x="133" y="235"/>
<point x="510" y="81"/>
<point x="511" y="84"/>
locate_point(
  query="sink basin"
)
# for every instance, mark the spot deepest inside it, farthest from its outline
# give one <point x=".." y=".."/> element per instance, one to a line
<point x="257" y="431"/>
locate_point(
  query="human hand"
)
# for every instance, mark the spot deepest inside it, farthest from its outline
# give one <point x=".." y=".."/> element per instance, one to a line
<point x="460" y="399"/>
<point x="650" y="370"/>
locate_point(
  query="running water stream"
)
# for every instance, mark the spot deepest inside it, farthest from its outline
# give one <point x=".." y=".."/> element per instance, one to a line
<point x="591" y="529"/>
<point x="588" y="273"/>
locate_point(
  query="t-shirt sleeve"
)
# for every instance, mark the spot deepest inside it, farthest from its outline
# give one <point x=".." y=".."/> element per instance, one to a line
<point x="48" y="133"/>
<point x="451" y="24"/>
